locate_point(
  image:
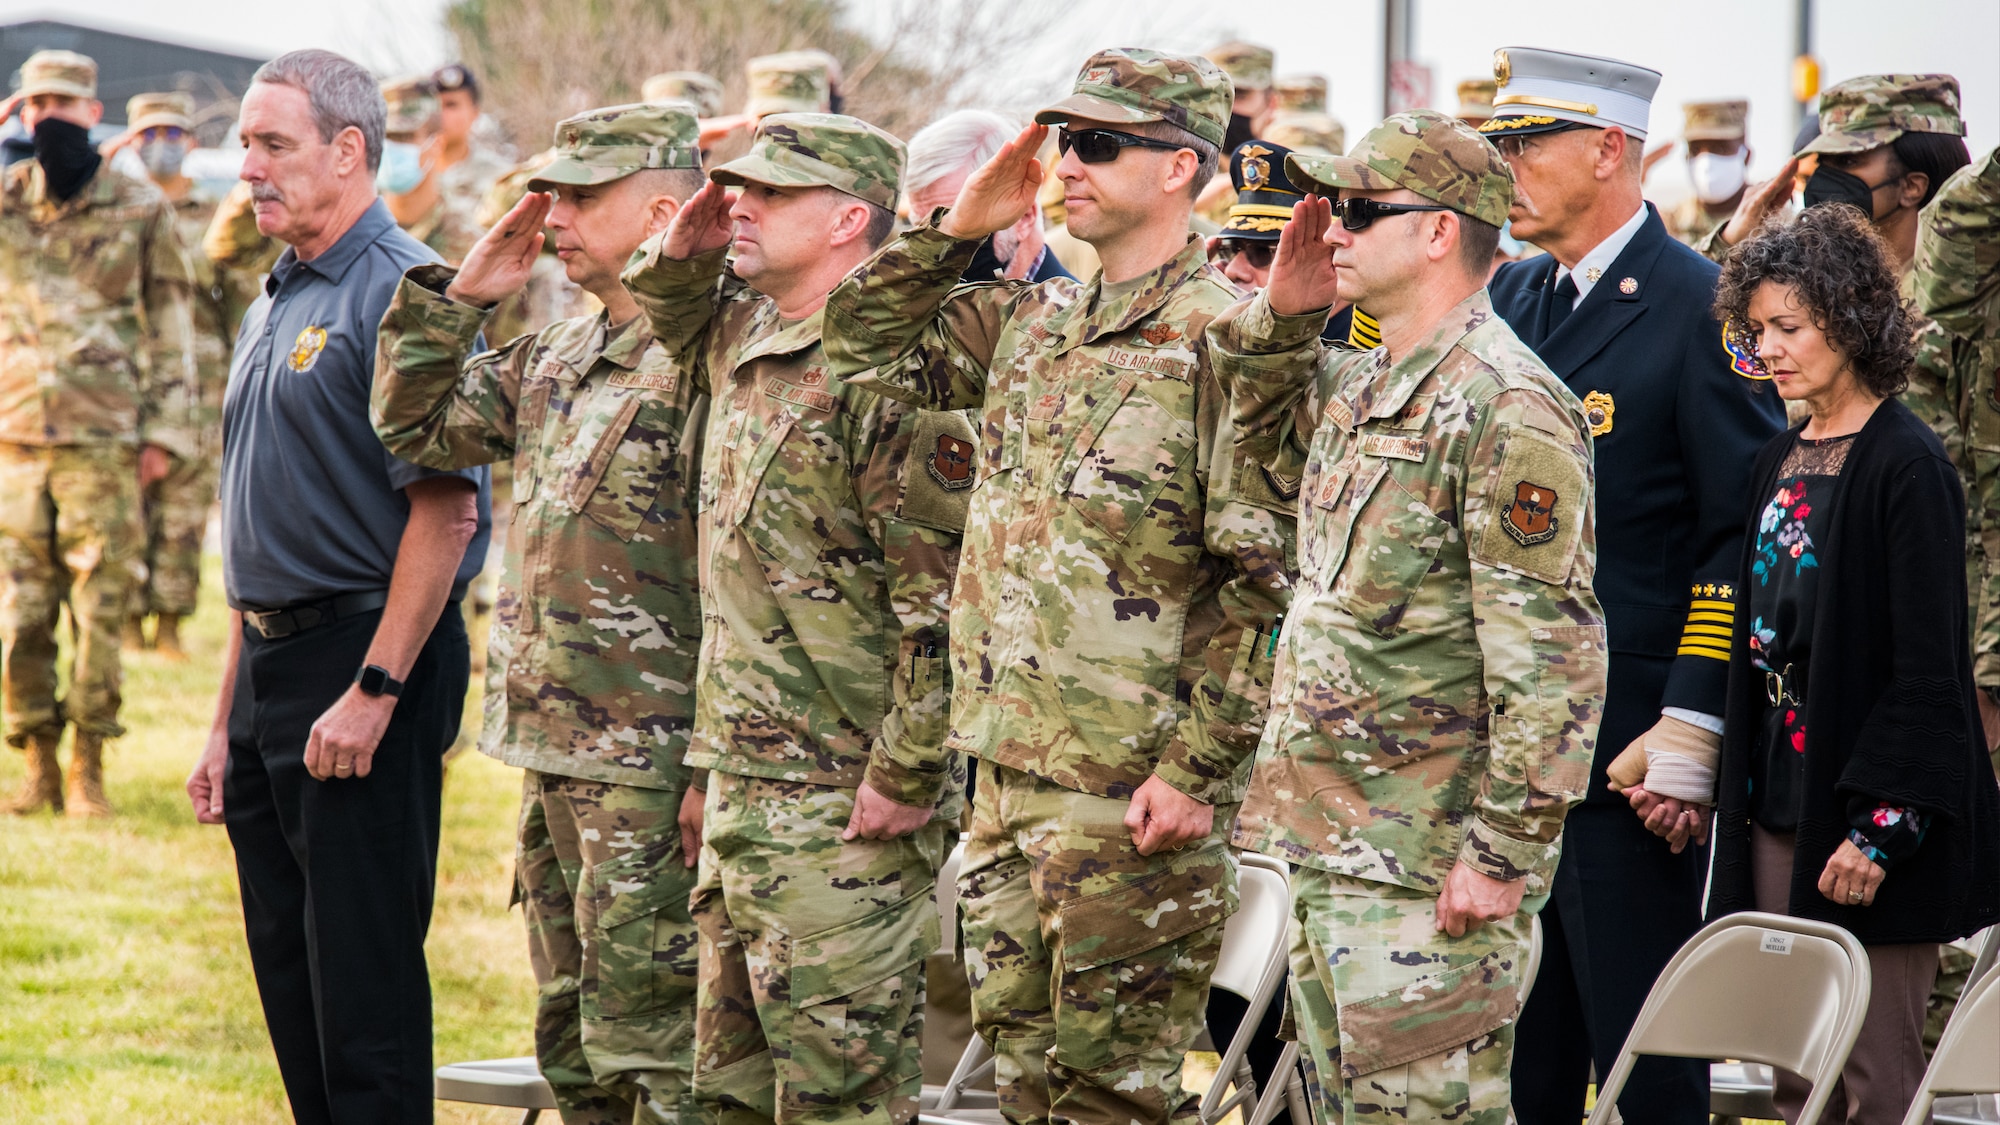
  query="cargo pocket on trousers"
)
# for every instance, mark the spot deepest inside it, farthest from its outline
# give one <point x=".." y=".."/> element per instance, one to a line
<point x="1134" y="960"/>
<point x="1431" y="1014"/>
<point x="853" y="988"/>
<point x="642" y="953"/>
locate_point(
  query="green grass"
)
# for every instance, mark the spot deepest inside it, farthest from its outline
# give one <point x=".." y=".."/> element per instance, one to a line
<point x="125" y="988"/>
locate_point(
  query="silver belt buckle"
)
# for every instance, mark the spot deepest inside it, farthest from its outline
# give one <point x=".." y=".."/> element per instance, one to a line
<point x="1775" y="689"/>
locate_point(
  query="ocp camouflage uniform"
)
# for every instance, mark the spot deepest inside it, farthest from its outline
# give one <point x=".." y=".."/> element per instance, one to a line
<point x="95" y="361"/>
<point x="1956" y="283"/>
<point x="1110" y="625"/>
<point x="830" y="522"/>
<point x="177" y="507"/>
<point x="453" y="226"/>
<point x="596" y="635"/>
<point x="1442" y="670"/>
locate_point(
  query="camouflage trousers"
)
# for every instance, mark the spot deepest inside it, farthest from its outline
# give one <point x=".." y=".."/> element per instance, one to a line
<point x="812" y="958"/>
<point x="177" y="509"/>
<point x="605" y="895"/>
<point x="1397" y="1022"/>
<point x="1089" y="962"/>
<point x="69" y="533"/>
<point x="1954" y="969"/>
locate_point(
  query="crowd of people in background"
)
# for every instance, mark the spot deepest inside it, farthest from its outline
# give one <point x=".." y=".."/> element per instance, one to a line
<point x="1156" y="480"/>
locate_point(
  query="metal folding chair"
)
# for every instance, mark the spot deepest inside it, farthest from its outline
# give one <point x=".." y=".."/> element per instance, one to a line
<point x="1967" y="1061"/>
<point x="1763" y="988"/>
<point x="516" y="1083"/>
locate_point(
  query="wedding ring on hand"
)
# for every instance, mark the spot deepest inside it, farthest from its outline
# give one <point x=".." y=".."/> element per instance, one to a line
<point x="1854" y="896"/>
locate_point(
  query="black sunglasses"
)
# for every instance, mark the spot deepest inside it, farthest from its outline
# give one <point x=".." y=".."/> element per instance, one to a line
<point x="1356" y="213"/>
<point x="1258" y="254"/>
<point x="1101" y="146"/>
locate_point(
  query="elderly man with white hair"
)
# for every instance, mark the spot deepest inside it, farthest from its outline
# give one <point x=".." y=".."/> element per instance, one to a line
<point x="942" y="155"/>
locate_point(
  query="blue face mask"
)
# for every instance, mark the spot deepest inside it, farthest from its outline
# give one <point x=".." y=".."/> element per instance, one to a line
<point x="402" y="168"/>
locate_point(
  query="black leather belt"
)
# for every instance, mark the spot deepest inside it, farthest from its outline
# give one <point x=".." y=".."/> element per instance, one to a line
<point x="276" y="623"/>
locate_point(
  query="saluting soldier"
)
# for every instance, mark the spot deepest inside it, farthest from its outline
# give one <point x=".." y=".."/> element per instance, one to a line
<point x="1442" y="669"/>
<point x="1111" y="630"/>
<point x="597" y="628"/>
<point x="830" y="521"/>
<point x="1620" y="311"/>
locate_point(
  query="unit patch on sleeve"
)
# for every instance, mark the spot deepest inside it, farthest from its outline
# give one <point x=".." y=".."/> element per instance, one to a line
<point x="1532" y="516"/>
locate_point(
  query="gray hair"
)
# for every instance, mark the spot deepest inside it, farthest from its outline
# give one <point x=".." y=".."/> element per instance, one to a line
<point x="340" y="91"/>
<point x="953" y="144"/>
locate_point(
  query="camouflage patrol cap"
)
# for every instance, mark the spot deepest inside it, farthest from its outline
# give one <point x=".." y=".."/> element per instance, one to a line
<point x="1300" y="93"/>
<point x="1873" y="110"/>
<point x="413" y="104"/>
<point x="792" y="82"/>
<point x="685" y="86"/>
<point x="59" y="72"/>
<point x="1248" y="65"/>
<point x="1440" y="158"/>
<point x="608" y="144"/>
<point x="1312" y="133"/>
<point x="1715" y="121"/>
<point x="1475" y="98"/>
<point x="151" y="111"/>
<point x="1130" y="86"/>
<point x="820" y="150"/>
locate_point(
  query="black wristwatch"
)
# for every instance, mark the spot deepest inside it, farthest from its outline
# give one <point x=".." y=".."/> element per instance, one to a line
<point x="375" y="680"/>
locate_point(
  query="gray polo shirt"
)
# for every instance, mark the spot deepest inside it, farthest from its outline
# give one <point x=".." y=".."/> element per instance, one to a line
<point x="312" y="504"/>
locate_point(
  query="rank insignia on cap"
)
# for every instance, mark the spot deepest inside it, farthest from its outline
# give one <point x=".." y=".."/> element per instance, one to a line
<point x="305" y="350"/>
<point x="950" y="464"/>
<point x="1742" y="360"/>
<point x="1256" y="170"/>
<point x="1503" y="67"/>
<point x="1628" y="285"/>
<point x="1598" y="410"/>
<point x="1531" y="517"/>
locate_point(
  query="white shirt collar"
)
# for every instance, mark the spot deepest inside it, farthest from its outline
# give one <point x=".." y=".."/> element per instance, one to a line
<point x="1590" y="268"/>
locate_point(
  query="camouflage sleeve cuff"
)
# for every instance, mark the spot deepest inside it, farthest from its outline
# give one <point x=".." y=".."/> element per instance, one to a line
<point x="1711" y="246"/>
<point x="421" y="297"/>
<point x="177" y="440"/>
<point x="931" y="248"/>
<point x="1261" y="330"/>
<point x="1187" y="771"/>
<point x="1986" y="670"/>
<point x="698" y="780"/>
<point x="903" y="784"/>
<point x="1499" y="856"/>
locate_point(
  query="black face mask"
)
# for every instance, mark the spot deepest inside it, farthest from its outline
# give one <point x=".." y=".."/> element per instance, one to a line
<point x="834" y="102"/>
<point x="1836" y="185"/>
<point x="64" y="151"/>
<point x="1237" y="133"/>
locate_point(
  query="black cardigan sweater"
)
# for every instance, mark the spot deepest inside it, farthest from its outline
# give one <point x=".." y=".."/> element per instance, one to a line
<point x="1890" y="712"/>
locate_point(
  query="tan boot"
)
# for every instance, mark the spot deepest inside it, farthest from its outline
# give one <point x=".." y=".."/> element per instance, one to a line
<point x="84" y="795"/>
<point x="43" y="787"/>
<point x="134" y="639"/>
<point x="167" y="636"/>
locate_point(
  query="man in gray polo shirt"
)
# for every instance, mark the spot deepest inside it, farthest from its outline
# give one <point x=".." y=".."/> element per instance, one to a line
<point x="346" y="673"/>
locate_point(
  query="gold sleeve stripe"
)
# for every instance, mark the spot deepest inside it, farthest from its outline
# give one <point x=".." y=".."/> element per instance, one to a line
<point x="1712" y="618"/>
<point x="1723" y="631"/>
<point x="1713" y="653"/>
<point x="1703" y="605"/>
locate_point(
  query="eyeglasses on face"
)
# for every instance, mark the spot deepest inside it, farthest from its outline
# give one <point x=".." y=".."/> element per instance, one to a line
<point x="1356" y="213"/>
<point x="1258" y="254"/>
<point x="1101" y="146"/>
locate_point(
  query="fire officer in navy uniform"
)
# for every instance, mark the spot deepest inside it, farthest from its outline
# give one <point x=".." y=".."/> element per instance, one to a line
<point x="1620" y="311"/>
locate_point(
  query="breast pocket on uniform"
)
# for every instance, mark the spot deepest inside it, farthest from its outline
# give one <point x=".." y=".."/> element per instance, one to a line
<point x="1392" y="545"/>
<point x="534" y="409"/>
<point x="1128" y="456"/>
<point x="783" y="513"/>
<point x="620" y="482"/>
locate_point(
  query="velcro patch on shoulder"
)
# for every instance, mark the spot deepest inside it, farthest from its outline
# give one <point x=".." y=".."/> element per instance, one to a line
<point x="938" y="476"/>
<point x="1534" y="506"/>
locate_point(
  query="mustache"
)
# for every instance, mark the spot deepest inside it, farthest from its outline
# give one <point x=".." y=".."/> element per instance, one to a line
<point x="266" y="193"/>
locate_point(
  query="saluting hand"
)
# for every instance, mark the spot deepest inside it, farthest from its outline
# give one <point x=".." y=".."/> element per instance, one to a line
<point x="499" y="263"/>
<point x="702" y="225"/>
<point x="1001" y="191"/>
<point x="1760" y="203"/>
<point x="1302" y="277"/>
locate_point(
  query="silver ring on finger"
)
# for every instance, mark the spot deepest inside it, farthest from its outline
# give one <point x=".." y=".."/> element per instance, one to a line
<point x="1854" y="896"/>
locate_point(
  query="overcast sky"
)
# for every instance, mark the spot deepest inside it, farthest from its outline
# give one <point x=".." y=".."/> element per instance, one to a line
<point x="1705" y="48"/>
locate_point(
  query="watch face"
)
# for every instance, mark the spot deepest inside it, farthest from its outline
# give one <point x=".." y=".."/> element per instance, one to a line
<point x="373" y="680"/>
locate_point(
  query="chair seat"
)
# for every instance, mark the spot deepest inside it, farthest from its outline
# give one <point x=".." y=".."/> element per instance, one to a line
<point x="517" y="1083"/>
<point x="1969" y="1109"/>
<point x="1741" y="1090"/>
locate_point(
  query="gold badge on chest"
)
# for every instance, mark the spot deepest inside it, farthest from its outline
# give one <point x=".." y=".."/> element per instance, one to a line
<point x="1598" y="410"/>
<point x="305" y="350"/>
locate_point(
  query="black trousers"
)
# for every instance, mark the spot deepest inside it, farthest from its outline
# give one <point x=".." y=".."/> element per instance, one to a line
<point x="1622" y="906"/>
<point x="338" y="876"/>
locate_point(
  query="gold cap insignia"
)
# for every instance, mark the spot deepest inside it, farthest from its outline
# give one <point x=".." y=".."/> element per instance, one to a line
<point x="1502" y="68"/>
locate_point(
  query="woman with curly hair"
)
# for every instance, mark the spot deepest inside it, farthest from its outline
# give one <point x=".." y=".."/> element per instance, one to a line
<point x="1854" y="786"/>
